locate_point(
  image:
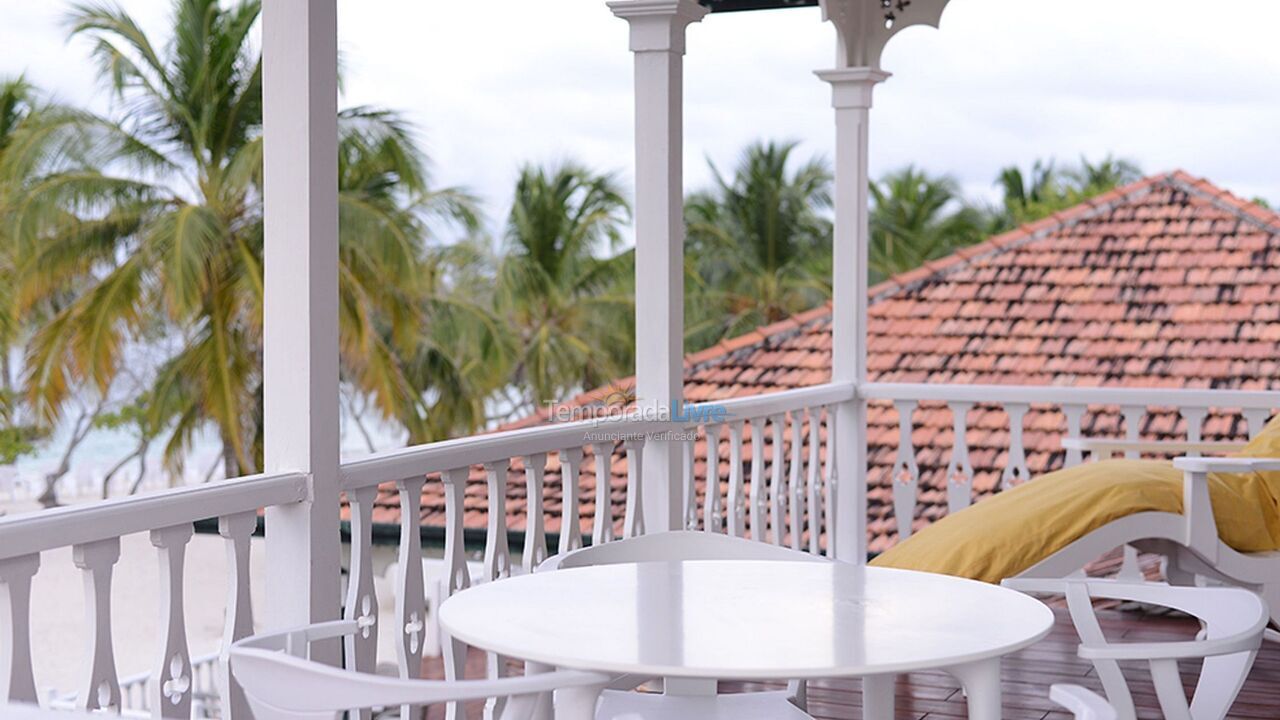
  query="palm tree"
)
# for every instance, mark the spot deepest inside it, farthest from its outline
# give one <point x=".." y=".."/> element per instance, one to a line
<point x="1089" y="179"/>
<point x="17" y="104"/>
<point x="916" y="218"/>
<point x="1048" y="189"/>
<point x="175" y="233"/>
<point x="758" y="243"/>
<point x="37" y="138"/>
<point x="561" y="288"/>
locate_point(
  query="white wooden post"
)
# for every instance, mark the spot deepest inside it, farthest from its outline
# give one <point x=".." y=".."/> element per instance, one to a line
<point x="300" y="376"/>
<point x="657" y="40"/>
<point x="851" y="97"/>
<point x="863" y="27"/>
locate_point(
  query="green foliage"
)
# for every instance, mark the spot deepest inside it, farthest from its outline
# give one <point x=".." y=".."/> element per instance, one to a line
<point x="758" y="244"/>
<point x="916" y="218"/>
<point x="16" y="439"/>
<point x="148" y="225"/>
<point x="562" y="290"/>
<point x="1048" y="189"/>
<point x="170" y="234"/>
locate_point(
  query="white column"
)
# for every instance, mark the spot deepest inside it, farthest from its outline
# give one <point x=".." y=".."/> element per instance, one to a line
<point x="851" y="97"/>
<point x="300" y="111"/>
<point x="863" y="28"/>
<point x="657" y="40"/>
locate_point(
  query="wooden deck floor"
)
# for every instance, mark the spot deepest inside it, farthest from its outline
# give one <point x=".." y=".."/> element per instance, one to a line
<point x="1027" y="677"/>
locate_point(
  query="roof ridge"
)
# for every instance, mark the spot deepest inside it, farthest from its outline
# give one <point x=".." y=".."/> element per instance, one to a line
<point x="1016" y="237"/>
<point x="1265" y="218"/>
<point x="915" y="277"/>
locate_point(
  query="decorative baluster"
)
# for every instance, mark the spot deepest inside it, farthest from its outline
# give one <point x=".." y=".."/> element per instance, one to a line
<point x="814" y="483"/>
<point x="570" y="521"/>
<point x="711" y="501"/>
<point x="455" y="554"/>
<point x="238" y="531"/>
<point x="411" y="604"/>
<point x="759" y="498"/>
<point x="173" y="680"/>
<point x="1074" y="414"/>
<point x="1130" y="570"/>
<point x="535" y="529"/>
<point x="1133" y="425"/>
<point x="777" y="493"/>
<point x="633" y="520"/>
<point x="101" y="687"/>
<point x="602" y="529"/>
<point x="906" y="474"/>
<point x="833" y="481"/>
<point x="736" y="510"/>
<point x="1194" y="419"/>
<point x="17" y="681"/>
<point x="361" y="648"/>
<point x="457" y="576"/>
<point x="497" y="555"/>
<point x="497" y="563"/>
<point x="1256" y="418"/>
<point x="959" y="471"/>
<point x="1016" y="471"/>
<point x="689" y="448"/>
<point x="795" y="497"/>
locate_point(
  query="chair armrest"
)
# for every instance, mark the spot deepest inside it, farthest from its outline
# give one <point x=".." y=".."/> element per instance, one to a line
<point x="1197" y="507"/>
<point x="1227" y="465"/>
<point x="1110" y="446"/>
<point x="1182" y="650"/>
<point x="1039" y="586"/>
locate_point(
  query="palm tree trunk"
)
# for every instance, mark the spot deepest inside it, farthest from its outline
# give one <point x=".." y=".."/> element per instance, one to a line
<point x="230" y="465"/>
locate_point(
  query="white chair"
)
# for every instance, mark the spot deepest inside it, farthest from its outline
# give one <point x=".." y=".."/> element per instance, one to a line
<point x="689" y="545"/>
<point x="676" y="545"/>
<point x="1232" y="622"/>
<point x="1082" y="702"/>
<point x="1189" y="541"/>
<point x="281" y="683"/>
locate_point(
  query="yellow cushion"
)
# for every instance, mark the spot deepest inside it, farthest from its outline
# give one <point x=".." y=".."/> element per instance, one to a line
<point x="1005" y="534"/>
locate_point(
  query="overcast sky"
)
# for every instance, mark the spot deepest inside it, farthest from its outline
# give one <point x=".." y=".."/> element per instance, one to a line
<point x="1167" y="83"/>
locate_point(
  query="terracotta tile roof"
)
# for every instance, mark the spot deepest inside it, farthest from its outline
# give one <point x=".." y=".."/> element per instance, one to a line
<point x="1168" y="282"/>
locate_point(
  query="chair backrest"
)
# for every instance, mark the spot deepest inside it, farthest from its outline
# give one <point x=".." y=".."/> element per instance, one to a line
<point x="1232" y="619"/>
<point x="675" y="545"/>
<point x="35" y="712"/>
<point x="280" y="682"/>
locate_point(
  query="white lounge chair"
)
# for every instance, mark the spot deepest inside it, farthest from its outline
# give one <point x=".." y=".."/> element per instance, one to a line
<point x="280" y="682"/>
<point x="690" y="545"/>
<point x="1232" y="622"/>
<point x="1189" y="541"/>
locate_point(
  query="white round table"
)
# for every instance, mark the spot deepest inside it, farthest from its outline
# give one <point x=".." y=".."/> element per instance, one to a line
<point x="751" y="620"/>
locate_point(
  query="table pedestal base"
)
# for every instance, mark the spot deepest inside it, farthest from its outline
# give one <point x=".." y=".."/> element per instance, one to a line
<point x="981" y="682"/>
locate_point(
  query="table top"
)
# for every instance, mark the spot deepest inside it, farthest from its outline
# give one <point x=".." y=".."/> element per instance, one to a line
<point x="741" y="619"/>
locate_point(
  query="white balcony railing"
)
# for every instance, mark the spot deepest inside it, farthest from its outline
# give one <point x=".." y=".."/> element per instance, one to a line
<point x="93" y="532"/>
<point x="786" y="506"/>
<point x="1006" y="415"/>
<point x="770" y="456"/>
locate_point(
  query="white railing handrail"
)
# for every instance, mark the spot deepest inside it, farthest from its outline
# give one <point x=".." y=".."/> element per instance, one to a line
<point x="419" y="460"/>
<point x="1072" y="395"/>
<point x="35" y="532"/>
<point x="775" y="403"/>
